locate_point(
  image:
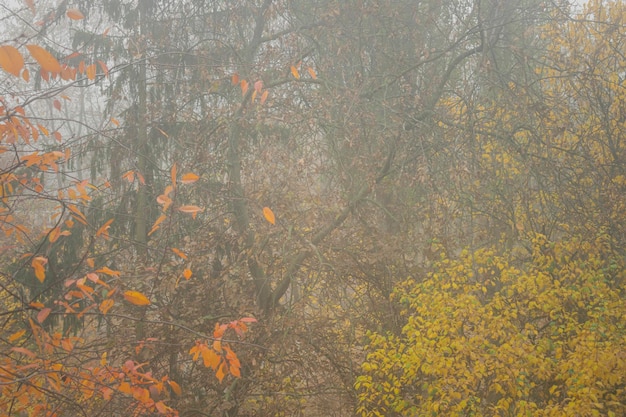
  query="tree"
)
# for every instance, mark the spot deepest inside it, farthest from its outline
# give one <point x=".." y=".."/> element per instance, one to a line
<point x="489" y="334"/>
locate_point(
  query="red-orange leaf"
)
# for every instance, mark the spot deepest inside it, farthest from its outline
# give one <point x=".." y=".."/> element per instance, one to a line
<point x="264" y="96"/>
<point x="269" y="215"/>
<point x="44" y="58"/>
<point x="31" y="5"/>
<point x="136" y="298"/>
<point x="258" y="86"/>
<point x="11" y="60"/>
<point x="75" y="14"/>
<point x="189" y="178"/>
<point x="43" y="314"/>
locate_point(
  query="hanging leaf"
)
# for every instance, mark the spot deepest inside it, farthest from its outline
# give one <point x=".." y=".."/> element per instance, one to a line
<point x="234" y="79"/>
<point x="189" y="178"/>
<point x="136" y="298"/>
<point x="75" y="14"/>
<point x="312" y="73"/>
<point x="11" y="60"/>
<point x="187" y="273"/>
<point x="295" y="73"/>
<point x="269" y="215"/>
<point x="258" y="86"/>
<point x="45" y="59"/>
<point x="244" y="87"/>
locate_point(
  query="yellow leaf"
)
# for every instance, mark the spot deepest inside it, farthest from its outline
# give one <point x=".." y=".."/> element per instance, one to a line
<point x="44" y="58"/>
<point x="269" y="215"/>
<point x="75" y="14"/>
<point x="11" y="60"/>
<point x="189" y="178"/>
<point x="136" y="298"/>
<point x="295" y="73"/>
<point x="91" y="72"/>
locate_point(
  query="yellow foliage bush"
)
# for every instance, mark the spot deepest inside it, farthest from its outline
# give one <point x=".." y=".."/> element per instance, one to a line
<point x="486" y="335"/>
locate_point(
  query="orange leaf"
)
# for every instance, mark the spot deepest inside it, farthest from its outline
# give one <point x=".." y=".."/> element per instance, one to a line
<point x="221" y="372"/>
<point x="269" y="215"/>
<point x="38" y="265"/>
<point x="26" y="75"/>
<point x="179" y="253"/>
<point x="15" y="336"/>
<point x="109" y="272"/>
<point x="189" y="178"/>
<point x="312" y="73"/>
<point x="156" y="224"/>
<point x="106" y="305"/>
<point x="210" y="358"/>
<point x="11" y="60"/>
<point x="104" y="229"/>
<point x="175" y="387"/>
<point x="244" y="87"/>
<point x="136" y="298"/>
<point x="44" y="58"/>
<point x="173" y="175"/>
<point x="190" y="209"/>
<point x="75" y="14"/>
<point x="234" y="79"/>
<point x="187" y="273"/>
<point x="295" y="73"/>
<point x="91" y="71"/>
